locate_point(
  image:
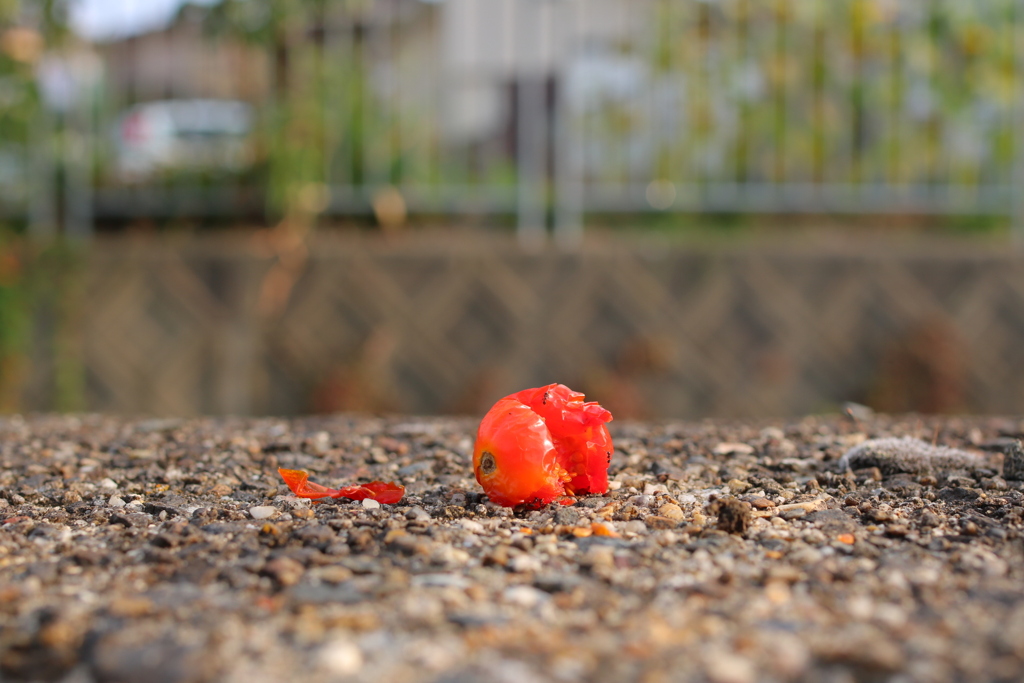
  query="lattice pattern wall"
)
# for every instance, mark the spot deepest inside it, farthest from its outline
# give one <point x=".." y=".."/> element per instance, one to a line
<point x="659" y="332"/>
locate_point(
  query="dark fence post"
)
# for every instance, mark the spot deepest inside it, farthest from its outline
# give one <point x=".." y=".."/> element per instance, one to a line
<point x="1017" y="177"/>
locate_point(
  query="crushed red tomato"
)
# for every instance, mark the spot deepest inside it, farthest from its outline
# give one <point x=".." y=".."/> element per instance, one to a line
<point x="298" y="481"/>
<point x="543" y="445"/>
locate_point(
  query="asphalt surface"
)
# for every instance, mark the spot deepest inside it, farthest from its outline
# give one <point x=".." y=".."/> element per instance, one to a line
<point x="170" y="551"/>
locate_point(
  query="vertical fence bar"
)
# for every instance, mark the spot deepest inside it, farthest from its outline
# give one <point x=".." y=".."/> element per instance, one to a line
<point x="393" y="171"/>
<point x="42" y="188"/>
<point x="530" y="134"/>
<point x="685" y="128"/>
<point x="897" y="86"/>
<point x="327" y="98"/>
<point x="935" y="10"/>
<point x="701" y="104"/>
<point x="855" y="96"/>
<point x="355" y="83"/>
<point x="646" y="46"/>
<point x="1017" y="178"/>
<point x="567" y="146"/>
<point x="817" y="99"/>
<point x="373" y="48"/>
<point x="745" y="91"/>
<point x="471" y="72"/>
<point x="672" y="81"/>
<point x="912" y="114"/>
<point x="713" y="134"/>
<point x="837" y="151"/>
<point x="780" y="58"/>
<point x="78" y="196"/>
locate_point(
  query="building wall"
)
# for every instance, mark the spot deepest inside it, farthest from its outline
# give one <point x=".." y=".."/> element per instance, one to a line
<point x="427" y="326"/>
<point x="181" y="62"/>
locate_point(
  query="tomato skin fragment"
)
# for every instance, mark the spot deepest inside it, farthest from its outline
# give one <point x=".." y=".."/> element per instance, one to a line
<point x="387" y="493"/>
<point x="298" y="482"/>
<point x="543" y="445"/>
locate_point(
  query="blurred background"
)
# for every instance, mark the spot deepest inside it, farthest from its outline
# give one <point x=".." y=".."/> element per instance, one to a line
<point x="683" y="208"/>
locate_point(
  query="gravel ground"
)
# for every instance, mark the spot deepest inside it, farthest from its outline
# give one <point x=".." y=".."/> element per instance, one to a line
<point x="169" y="551"/>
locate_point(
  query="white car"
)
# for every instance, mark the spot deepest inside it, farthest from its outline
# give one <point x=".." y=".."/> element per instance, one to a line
<point x="183" y="135"/>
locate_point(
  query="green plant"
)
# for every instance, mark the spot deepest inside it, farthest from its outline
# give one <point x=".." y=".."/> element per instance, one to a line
<point x="13" y="321"/>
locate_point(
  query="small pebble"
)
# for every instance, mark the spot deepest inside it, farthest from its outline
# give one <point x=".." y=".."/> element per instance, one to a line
<point x="341" y="657"/>
<point x="733" y="515"/>
<point x="729" y="668"/>
<point x="671" y="511"/>
<point x="566" y="515"/>
<point x="633" y="527"/>
<point x="262" y="511"/>
<point x="659" y="522"/>
<point x="525" y="563"/>
<point x="1013" y="463"/>
<point x="524" y="596"/>
<point x="370" y="504"/>
<point x="738" y="486"/>
<point x="995" y="484"/>
<point x="284" y="570"/>
<point x="416" y="513"/>
<point x="320" y="443"/>
<point x="730" y="448"/>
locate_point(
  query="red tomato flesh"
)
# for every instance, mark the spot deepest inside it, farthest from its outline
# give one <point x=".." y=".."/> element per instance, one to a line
<point x="387" y="493"/>
<point x="541" y="445"/>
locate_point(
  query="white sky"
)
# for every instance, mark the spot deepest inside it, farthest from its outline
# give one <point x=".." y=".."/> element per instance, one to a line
<point x="112" y="19"/>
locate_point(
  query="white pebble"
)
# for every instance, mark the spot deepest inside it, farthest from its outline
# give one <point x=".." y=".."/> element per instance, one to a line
<point x="524" y="596"/>
<point x="730" y="448"/>
<point x="790" y="655"/>
<point x="341" y="657"/>
<point x="729" y="668"/>
<point x="320" y="443"/>
<point x="115" y="502"/>
<point x="370" y="504"/>
<point x="633" y="527"/>
<point x="472" y="525"/>
<point x="108" y="484"/>
<point x="263" y="511"/>
<point x="525" y="563"/>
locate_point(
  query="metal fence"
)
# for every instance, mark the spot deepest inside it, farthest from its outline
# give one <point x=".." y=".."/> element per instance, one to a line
<point x="549" y="110"/>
